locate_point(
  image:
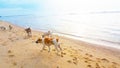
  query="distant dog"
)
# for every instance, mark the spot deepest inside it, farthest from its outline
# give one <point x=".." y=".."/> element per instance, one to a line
<point x="48" y="34"/>
<point x="48" y="42"/>
<point x="28" y="31"/>
<point x="2" y="28"/>
<point x="10" y="27"/>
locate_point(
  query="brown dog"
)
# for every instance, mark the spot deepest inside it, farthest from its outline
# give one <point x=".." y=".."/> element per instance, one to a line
<point x="28" y="31"/>
<point x="48" y="42"/>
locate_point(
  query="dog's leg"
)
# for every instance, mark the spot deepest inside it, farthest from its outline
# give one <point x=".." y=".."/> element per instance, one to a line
<point x="56" y="48"/>
<point x="28" y="34"/>
<point x="49" y="48"/>
<point x="43" y="47"/>
<point x="59" y="47"/>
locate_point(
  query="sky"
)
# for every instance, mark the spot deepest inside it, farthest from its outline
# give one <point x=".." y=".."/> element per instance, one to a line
<point x="42" y="7"/>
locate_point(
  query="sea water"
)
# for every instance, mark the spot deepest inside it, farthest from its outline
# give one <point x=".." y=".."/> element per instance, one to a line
<point x="98" y="28"/>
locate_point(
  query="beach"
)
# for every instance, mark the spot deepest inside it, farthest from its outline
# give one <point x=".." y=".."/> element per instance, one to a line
<point x="19" y="51"/>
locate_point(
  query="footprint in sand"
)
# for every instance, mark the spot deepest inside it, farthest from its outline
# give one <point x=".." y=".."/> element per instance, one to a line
<point x="45" y="49"/>
<point x="71" y="55"/>
<point x="9" y="51"/>
<point x="63" y="53"/>
<point x="53" y="50"/>
<point x="103" y="66"/>
<point x="89" y="55"/>
<point x="97" y="65"/>
<point x="80" y="50"/>
<point x="75" y="60"/>
<point x="11" y="55"/>
<point x="90" y="66"/>
<point x="75" y="63"/>
<point x="104" y="59"/>
<point x="98" y="59"/>
<point x="21" y="67"/>
<point x="64" y="48"/>
<point x="58" y="54"/>
<point x="3" y="44"/>
<point x="114" y="63"/>
<point x="75" y="51"/>
<point x="62" y="56"/>
<point x="57" y="67"/>
<point x="69" y="61"/>
<point x="88" y="59"/>
<point x="14" y="63"/>
<point x="113" y="66"/>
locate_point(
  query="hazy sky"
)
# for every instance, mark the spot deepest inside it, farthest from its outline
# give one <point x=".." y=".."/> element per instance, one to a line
<point x="24" y="7"/>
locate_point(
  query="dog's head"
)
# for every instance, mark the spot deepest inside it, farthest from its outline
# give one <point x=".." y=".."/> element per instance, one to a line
<point x="39" y="41"/>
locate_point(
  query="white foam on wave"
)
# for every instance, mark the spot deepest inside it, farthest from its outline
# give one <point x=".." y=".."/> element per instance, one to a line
<point x="99" y="42"/>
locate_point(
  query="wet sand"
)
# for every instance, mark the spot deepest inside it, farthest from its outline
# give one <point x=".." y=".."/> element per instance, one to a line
<point x="19" y="51"/>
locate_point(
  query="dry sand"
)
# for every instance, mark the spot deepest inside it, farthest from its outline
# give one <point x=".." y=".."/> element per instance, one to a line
<point x="19" y="51"/>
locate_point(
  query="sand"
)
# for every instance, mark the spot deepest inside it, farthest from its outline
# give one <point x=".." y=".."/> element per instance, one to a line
<point x="19" y="51"/>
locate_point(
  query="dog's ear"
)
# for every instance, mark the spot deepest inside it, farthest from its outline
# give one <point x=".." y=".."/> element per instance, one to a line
<point x="57" y="39"/>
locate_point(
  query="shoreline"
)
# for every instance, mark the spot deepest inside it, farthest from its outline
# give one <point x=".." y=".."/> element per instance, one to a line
<point x="102" y="42"/>
<point x="75" y="53"/>
<point x="94" y="45"/>
<point x="93" y="41"/>
<point x="97" y="46"/>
